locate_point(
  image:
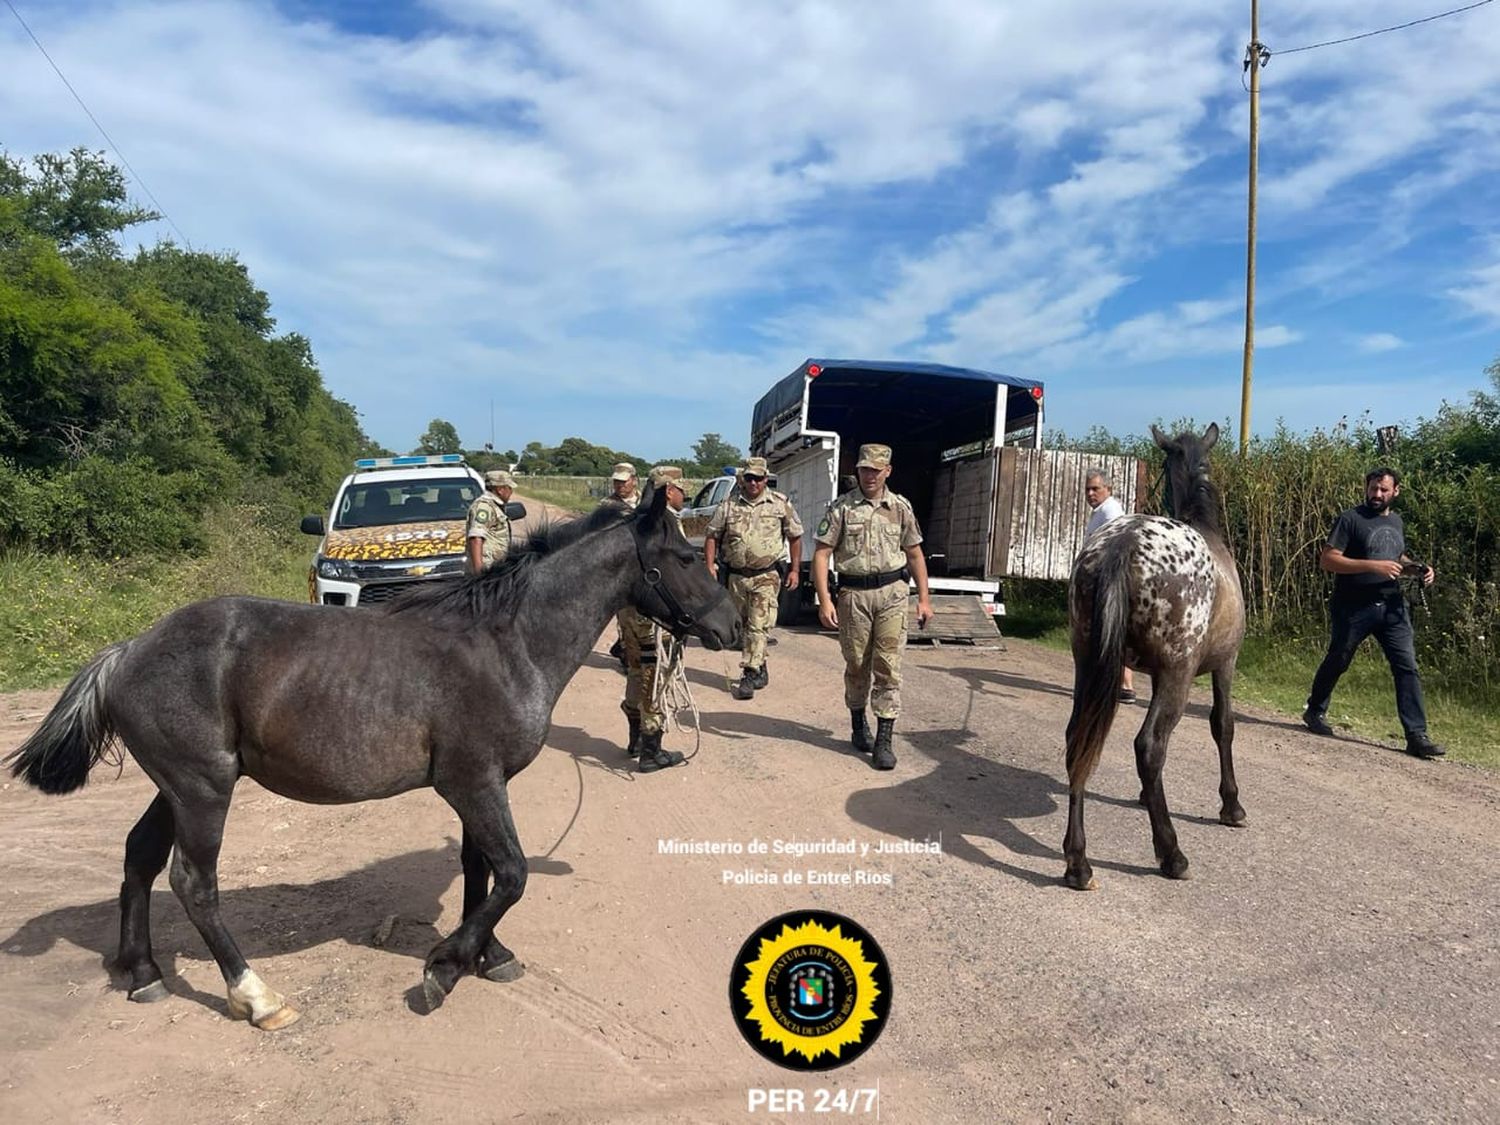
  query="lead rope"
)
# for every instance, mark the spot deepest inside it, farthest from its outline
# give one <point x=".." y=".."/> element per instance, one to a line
<point x="671" y="692"/>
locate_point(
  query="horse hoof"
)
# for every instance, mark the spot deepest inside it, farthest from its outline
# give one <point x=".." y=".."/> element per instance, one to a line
<point x="284" y="1016"/>
<point x="504" y="972"/>
<point x="1080" y="882"/>
<point x="1234" y="818"/>
<point x="148" y="993"/>
<point x="433" y="991"/>
<point x="1176" y="868"/>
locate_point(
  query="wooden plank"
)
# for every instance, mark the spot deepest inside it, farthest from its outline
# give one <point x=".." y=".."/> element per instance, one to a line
<point x="957" y="619"/>
<point x="1041" y="509"/>
<point x="1004" y="512"/>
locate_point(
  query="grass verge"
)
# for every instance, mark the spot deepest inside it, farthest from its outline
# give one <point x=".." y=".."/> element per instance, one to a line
<point x="1276" y="672"/>
<point x="572" y="493"/>
<point x="57" y="611"/>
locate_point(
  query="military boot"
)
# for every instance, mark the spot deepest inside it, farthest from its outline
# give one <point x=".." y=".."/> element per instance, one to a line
<point x="653" y="757"/>
<point x="884" y="757"/>
<point x="762" y="677"/>
<point x="745" y="689"/>
<point x="633" y="748"/>
<point x="859" y="732"/>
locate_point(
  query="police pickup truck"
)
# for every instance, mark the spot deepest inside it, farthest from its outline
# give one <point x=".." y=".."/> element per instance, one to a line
<point x="395" y="521"/>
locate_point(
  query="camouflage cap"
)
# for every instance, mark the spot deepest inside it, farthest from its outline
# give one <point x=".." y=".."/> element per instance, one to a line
<point x="623" y="471"/>
<point x="663" y="475"/>
<point x="873" y="457"/>
<point x="756" y="467"/>
<point x="499" y="478"/>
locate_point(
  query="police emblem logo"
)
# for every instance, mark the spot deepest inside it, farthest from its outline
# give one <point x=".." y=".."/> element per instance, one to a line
<point x="823" y="527"/>
<point x="482" y="515"/>
<point x="810" y="990"/>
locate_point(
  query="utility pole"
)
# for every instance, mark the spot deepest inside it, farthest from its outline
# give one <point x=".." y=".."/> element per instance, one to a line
<point x="1256" y="56"/>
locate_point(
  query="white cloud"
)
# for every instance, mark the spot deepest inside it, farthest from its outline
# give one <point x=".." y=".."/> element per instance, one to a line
<point x="569" y="200"/>
<point x="1380" y="342"/>
<point x="1481" y="295"/>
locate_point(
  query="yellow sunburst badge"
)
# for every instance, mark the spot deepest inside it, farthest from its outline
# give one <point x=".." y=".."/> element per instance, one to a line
<point x="810" y="990"/>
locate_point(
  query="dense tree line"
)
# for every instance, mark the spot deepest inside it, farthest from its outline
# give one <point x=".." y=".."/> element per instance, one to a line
<point x="576" y="456"/>
<point x="137" y="391"/>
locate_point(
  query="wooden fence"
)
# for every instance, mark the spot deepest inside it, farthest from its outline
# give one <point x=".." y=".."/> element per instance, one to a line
<point x="1040" y="509"/>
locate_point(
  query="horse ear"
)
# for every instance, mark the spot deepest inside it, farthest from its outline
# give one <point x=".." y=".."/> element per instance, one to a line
<point x="1210" y="436"/>
<point x="653" y="502"/>
<point x="1161" y="439"/>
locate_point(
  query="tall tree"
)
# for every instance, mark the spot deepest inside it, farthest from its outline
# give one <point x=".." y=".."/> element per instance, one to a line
<point x="712" y="451"/>
<point x="74" y="201"/>
<point x="440" y="437"/>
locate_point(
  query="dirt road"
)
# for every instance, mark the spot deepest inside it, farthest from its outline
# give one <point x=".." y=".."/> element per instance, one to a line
<point x="1335" y="960"/>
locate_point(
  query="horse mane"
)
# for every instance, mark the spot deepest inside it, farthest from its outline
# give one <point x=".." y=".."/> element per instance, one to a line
<point x="1192" y="495"/>
<point x="473" y="597"/>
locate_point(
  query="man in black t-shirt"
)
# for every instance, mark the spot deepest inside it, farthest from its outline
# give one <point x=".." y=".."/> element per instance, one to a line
<point x="1365" y="552"/>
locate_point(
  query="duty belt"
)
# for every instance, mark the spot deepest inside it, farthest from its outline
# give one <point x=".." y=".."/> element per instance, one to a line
<point x="751" y="571"/>
<point x="873" y="581"/>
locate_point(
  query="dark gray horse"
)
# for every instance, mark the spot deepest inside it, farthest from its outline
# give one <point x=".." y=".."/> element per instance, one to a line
<point x="1163" y="596"/>
<point x="451" y="687"/>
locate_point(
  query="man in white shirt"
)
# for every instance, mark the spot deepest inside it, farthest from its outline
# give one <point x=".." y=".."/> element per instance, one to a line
<point x="1097" y="492"/>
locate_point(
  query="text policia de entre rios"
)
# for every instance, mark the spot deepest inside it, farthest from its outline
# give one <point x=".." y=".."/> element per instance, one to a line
<point x="797" y="848"/>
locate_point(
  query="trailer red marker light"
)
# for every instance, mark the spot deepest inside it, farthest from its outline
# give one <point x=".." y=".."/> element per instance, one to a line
<point x="1036" y="393"/>
<point x="813" y="371"/>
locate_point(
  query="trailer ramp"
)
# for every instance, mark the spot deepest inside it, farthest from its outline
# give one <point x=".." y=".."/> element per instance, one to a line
<point x="957" y="619"/>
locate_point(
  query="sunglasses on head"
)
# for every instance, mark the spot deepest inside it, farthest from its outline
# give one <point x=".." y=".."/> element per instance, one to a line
<point x="753" y="477"/>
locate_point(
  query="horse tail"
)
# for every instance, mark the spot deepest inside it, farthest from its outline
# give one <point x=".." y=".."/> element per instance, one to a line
<point x="75" y="734"/>
<point x="1096" y="674"/>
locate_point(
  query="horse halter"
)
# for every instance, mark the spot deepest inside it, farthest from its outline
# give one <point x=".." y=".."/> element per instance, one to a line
<point x="682" y="620"/>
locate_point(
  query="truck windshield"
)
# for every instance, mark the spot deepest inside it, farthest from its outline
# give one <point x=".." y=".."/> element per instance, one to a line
<point x="376" y="504"/>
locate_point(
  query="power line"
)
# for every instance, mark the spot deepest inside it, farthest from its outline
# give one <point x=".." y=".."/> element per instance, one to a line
<point x="134" y="175"/>
<point x="1382" y="30"/>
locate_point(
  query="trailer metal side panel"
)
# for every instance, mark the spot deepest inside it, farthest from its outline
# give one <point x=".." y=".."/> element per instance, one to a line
<point x="810" y="481"/>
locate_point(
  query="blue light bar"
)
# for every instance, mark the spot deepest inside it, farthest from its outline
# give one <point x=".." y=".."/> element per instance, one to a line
<point x="407" y="462"/>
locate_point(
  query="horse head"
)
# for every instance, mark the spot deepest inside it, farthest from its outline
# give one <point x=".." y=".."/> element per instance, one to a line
<point x="1191" y="495"/>
<point x="675" y="588"/>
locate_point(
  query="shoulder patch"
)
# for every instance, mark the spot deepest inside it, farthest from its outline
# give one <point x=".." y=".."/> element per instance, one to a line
<point x="482" y="514"/>
<point x="823" y="526"/>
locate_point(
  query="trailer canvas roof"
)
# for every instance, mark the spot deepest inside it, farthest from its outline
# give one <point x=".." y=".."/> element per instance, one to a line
<point x="908" y="391"/>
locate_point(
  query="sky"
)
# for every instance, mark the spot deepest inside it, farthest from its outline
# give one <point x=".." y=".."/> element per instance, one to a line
<point x="624" y="220"/>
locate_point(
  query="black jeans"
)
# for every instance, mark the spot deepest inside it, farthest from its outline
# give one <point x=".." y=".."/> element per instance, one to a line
<point x="1391" y="624"/>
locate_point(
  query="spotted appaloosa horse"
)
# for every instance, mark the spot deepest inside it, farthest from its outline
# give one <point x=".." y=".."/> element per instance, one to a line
<point x="1163" y="596"/>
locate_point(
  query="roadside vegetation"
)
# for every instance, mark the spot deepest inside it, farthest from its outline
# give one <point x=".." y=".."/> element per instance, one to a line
<point x="1279" y="501"/>
<point x="57" y="610"/>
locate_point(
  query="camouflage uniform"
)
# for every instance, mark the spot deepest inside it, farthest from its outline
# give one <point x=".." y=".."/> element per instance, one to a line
<point x="487" y="521"/>
<point x="870" y="538"/>
<point x="752" y="537"/>
<point x="638" y="638"/>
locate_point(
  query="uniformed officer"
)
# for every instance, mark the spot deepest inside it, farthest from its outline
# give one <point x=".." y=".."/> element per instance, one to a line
<point x="638" y="640"/>
<point x="622" y="487"/>
<point x="678" y="487"/>
<point x="872" y="536"/>
<point x="487" y="531"/>
<point x="749" y="532"/>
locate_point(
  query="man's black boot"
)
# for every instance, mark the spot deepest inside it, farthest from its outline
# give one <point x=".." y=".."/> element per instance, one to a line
<point x="633" y="748"/>
<point x="745" y="689"/>
<point x="1420" y="746"/>
<point x="884" y="757"/>
<point x="1315" y="722"/>
<point x="653" y="757"/>
<point x="859" y="732"/>
<point x="762" y="677"/>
